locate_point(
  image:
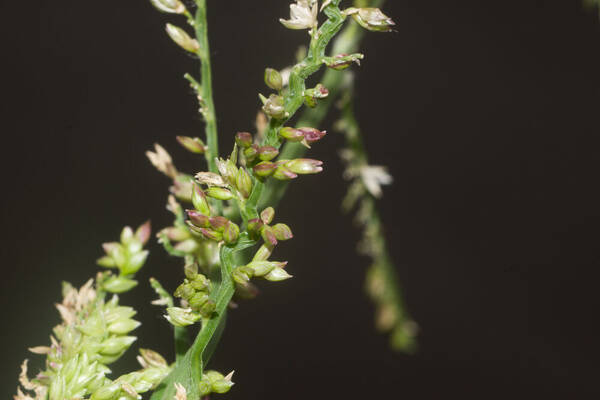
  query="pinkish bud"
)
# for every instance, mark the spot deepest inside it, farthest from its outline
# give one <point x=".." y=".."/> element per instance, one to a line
<point x="142" y="233"/>
<point x="195" y="145"/>
<point x="198" y="219"/>
<point x="283" y="173"/>
<point x="264" y="169"/>
<point x="218" y="223"/>
<point x="175" y="233"/>
<point x="312" y="135"/>
<point x="304" y="166"/>
<point x="291" y="134"/>
<point x="267" y="215"/>
<point x="219" y="193"/>
<point x="231" y="233"/>
<point x="267" y="153"/>
<point x="254" y="226"/>
<point x="243" y="139"/>
<point x="282" y="232"/>
<point x="268" y="235"/>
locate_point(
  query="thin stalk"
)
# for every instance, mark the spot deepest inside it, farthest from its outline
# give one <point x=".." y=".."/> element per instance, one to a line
<point x="206" y="92"/>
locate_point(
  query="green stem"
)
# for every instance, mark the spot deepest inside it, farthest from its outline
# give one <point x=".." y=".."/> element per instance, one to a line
<point x="188" y="371"/>
<point x="206" y="92"/>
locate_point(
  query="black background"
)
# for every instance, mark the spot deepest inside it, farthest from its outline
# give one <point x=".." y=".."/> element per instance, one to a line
<point x="485" y="112"/>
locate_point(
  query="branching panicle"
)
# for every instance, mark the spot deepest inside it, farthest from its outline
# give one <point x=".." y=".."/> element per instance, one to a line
<point x="223" y="225"/>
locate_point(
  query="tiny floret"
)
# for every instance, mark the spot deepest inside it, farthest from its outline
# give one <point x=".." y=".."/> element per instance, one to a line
<point x="303" y="15"/>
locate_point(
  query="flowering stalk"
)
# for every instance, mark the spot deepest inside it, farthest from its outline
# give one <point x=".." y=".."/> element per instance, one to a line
<point x="347" y="42"/>
<point x="382" y="270"/>
<point x="366" y="180"/>
<point x="222" y="224"/>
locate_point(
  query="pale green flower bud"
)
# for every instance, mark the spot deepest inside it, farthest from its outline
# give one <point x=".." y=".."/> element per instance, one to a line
<point x="267" y="215"/>
<point x="198" y="300"/>
<point x="126" y="235"/>
<point x="110" y="392"/>
<point x="194" y="145"/>
<point x="263" y="253"/>
<point x="116" y="345"/>
<point x="199" y="200"/>
<point x="152" y="359"/>
<point x="268" y="235"/>
<point x="135" y="262"/>
<point x="107" y="262"/>
<point x="181" y="37"/>
<point x="227" y="169"/>
<point x="219" y="193"/>
<point x="118" y="313"/>
<point x="277" y="274"/>
<point x="243" y="139"/>
<point x="283" y="173"/>
<point x="119" y="284"/>
<point x="303" y="166"/>
<point x="211" y="234"/>
<point x="262" y="268"/>
<point x="221" y="386"/>
<point x="191" y="271"/>
<point x="93" y="326"/>
<point x="231" y="233"/>
<point x="267" y="153"/>
<point x="181" y="316"/>
<point x="123" y="327"/>
<point x="169" y="6"/>
<point x="264" y="169"/>
<point x="243" y="182"/>
<point x="282" y="232"/>
<point x="200" y="282"/>
<point x="273" y="79"/>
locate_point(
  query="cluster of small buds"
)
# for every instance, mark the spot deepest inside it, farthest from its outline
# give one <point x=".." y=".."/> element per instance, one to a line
<point x="215" y="382"/>
<point x="93" y="334"/>
<point x="342" y="61"/>
<point x="195" y="292"/>
<point x="372" y="19"/>
<point x="260" y="266"/>
<point x="128" y="256"/>
<point x="260" y="227"/>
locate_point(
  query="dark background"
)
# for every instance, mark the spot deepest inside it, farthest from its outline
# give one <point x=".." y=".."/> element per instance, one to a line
<point x="485" y="112"/>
